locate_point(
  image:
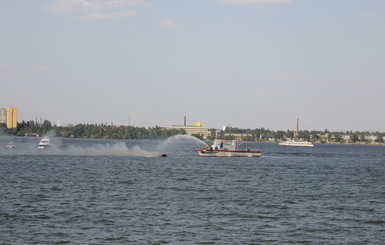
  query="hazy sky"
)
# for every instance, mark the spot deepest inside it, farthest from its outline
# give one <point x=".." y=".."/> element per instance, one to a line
<point x="247" y="63"/>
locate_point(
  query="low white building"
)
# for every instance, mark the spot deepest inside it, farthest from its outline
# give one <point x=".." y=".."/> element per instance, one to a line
<point x="371" y="138"/>
<point x="346" y="137"/>
<point x="196" y="129"/>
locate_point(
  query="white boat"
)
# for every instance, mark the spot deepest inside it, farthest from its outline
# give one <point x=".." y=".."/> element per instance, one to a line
<point x="10" y="145"/>
<point x="295" y="141"/>
<point x="223" y="148"/>
<point x="44" y="143"/>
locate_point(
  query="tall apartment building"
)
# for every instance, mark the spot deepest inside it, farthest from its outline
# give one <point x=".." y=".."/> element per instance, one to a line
<point x="9" y="116"/>
<point x="3" y="115"/>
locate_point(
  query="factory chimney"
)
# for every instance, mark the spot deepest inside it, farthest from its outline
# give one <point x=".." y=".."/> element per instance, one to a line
<point x="296" y="131"/>
<point x="184" y="120"/>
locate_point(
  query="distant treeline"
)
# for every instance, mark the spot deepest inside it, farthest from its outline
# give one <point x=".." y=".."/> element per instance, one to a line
<point x="31" y="128"/>
<point x="326" y="136"/>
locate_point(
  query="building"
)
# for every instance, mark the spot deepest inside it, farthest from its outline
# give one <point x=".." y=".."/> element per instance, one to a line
<point x="196" y="129"/>
<point x="346" y="138"/>
<point x="3" y="115"/>
<point x="9" y="116"/>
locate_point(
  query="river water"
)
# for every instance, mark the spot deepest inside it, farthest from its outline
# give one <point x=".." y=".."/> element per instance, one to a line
<point x="83" y="191"/>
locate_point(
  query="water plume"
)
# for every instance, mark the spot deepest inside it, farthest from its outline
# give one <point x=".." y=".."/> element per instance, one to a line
<point x="115" y="149"/>
<point x="177" y="140"/>
<point x="179" y="144"/>
<point x="173" y="144"/>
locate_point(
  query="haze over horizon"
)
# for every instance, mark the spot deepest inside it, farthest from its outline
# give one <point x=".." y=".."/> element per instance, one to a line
<point x="246" y="63"/>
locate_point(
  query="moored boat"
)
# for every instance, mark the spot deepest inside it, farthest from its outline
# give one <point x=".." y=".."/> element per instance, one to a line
<point x="223" y="148"/>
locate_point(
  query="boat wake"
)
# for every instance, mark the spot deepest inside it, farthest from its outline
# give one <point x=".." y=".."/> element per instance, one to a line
<point x="179" y="144"/>
<point x="121" y="149"/>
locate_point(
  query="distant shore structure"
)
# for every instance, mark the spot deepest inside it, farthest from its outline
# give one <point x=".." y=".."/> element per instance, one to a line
<point x="196" y="129"/>
<point x="9" y="116"/>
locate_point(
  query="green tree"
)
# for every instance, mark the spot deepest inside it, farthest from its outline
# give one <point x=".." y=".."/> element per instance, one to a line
<point x="380" y="138"/>
<point x="355" y="138"/>
<point x="46" y="126"/>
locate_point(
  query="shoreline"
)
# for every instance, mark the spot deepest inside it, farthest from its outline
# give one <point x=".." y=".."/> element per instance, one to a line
<point x="326" y="143"/>
<point x="270" y="142"/>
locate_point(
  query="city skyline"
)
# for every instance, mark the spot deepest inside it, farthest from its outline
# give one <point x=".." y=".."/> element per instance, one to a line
<point x="41" y="120"/>
<point x="249" y="64"/>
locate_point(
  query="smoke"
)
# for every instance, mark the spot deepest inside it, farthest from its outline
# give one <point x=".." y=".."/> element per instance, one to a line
<point x="51" y="133"/>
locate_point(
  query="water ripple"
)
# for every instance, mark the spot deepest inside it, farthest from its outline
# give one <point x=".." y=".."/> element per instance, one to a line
<point x="285" y="197"/>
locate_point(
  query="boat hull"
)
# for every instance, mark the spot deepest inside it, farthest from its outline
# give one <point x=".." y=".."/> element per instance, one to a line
<point x="298" y="144"/>
<point x="44" y="143"/>
<point x="226" y="153"/>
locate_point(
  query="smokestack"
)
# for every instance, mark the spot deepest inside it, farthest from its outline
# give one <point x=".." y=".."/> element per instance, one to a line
<point x="297" y="129"/>
<point x="184" y="120"/>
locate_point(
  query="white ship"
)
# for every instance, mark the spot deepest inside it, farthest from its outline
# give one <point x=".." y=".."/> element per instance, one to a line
<point x="295" y="141"/>
<point x="44" y="143"/>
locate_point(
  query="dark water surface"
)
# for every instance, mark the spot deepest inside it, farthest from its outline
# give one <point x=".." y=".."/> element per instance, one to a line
<point x="70" y="194"/>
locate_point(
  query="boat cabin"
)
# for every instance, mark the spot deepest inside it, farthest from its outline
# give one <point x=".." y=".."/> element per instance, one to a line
<point x="229" y="145"/>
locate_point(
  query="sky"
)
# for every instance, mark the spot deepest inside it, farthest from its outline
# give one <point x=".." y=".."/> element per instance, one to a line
<point x="243" y="63"/>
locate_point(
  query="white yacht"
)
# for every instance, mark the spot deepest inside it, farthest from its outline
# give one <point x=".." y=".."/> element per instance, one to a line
<point x="44" y="143"/>
<point x="295" y="141"/>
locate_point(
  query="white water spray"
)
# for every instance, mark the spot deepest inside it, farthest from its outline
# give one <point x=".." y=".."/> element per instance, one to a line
<point x="172" y="145"/>
<point x="177" y="139"/>
<point x="121" y="149"/>
<point x="116" y="149"/>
